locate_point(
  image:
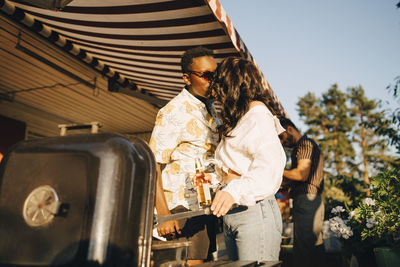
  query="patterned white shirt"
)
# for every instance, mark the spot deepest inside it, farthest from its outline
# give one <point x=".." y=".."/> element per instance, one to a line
<point x="255" y="152"/>
<point x="183" y="131"/>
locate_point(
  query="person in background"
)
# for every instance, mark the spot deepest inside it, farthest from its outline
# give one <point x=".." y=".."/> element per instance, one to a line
<point x="306" y="182"/>
<point x="282" y="203"/>
<point x="184" y="130"/>
<point x="251" y="161"/>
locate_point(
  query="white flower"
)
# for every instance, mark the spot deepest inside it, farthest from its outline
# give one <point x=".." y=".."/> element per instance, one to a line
<point x="338" y="209"/>
<point x="334" y="224"/>
<point x="337" y="219"/>
<point x="345" y="236"/>
<point x="378" y="212"/>
<point x="370" y="222"/>
<point x="352" y="214"/>
<point x="339" y="228"/>
<point x="343" y="230"/>
<point x="369" y="201"/>
<point x="347" y="233"/>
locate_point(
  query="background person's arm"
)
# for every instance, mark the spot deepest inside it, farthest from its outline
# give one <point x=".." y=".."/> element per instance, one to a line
<point x="300" y="173"/>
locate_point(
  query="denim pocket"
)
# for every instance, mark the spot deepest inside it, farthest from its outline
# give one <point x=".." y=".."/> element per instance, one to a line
<point x="271" y="213"/>
<point x="266" y="210"/>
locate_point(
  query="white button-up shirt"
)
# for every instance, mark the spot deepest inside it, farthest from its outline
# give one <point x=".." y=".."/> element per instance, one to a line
<point x="255" y="152"/>
<point x="183" y="131"/>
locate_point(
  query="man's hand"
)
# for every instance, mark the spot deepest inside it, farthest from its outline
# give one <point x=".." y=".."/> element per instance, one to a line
<point x="169" y="227"/>
<point x="222" y="203"/>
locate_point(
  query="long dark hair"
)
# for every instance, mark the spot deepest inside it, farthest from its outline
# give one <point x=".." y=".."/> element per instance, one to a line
<point x="238" y="82"/>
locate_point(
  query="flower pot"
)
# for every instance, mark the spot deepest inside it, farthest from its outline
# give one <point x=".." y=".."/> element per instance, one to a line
<point x="387" y="257"/>
<point x="365" y="258"/>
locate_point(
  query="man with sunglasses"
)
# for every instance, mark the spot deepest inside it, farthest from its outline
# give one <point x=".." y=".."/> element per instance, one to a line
<point x="184" y="130"/>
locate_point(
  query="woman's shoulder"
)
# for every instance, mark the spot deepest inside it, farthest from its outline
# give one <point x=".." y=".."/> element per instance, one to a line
<point x="254" y="117"/>
<point x="256" y="104"/>
<point x="258" y="108"/>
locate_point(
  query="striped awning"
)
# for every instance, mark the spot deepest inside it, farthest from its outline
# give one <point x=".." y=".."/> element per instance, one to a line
<point x="136" y="44"/>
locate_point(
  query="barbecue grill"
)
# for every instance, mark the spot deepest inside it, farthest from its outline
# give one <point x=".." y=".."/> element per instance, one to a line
<point x="77" y="200"/>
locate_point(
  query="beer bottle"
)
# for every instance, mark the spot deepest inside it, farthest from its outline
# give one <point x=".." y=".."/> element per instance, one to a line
<point x="202" y="185"/>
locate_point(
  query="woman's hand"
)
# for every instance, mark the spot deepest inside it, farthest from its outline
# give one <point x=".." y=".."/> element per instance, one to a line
<point x="222" y="203"/>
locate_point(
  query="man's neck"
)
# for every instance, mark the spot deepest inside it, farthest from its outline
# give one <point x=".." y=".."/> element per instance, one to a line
<point x="199" y="97"/>
<point x="297" y="137"/>
<point x="202" y="98"/>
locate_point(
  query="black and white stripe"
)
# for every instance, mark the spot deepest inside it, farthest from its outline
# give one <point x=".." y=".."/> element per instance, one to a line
<point x="136" y="42"/>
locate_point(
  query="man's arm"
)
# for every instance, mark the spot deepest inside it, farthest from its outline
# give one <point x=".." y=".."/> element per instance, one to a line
<point x="162" y="208"/>
<point x="300" y="173"/>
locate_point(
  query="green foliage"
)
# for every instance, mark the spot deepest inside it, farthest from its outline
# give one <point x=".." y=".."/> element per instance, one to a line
<point x="329" y="124"/>
<point x="376" y="220"/>
<point x="368" y="117"/>
<point x="386" y="192"/>
<point x="333" y="196"/>
<point x="392" y="131"/>
<point x="345" y="122"/>
<point x="342" y="190"/>
<point x="353" y="188"/>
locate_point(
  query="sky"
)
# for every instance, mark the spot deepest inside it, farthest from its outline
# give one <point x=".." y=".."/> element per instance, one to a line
<point x="307" y="46"/>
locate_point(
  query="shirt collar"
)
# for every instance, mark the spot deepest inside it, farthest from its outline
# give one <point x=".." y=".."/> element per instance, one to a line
<point x="206" y="108"/>
<point x="192" y="98"/>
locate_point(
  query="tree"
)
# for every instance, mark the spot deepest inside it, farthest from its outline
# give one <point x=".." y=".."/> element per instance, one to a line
<point x="392" y="120"/>
<point x="345" y="122"/>
<point x="394" y="133"/>
<point x="330" y="125"/>
<point x="373" y="154"/>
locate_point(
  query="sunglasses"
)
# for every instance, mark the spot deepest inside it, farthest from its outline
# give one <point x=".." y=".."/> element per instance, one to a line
<point x="207" y="75"/>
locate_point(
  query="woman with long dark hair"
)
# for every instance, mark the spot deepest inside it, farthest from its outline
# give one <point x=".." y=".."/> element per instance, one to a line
<point x="251" y="159"/>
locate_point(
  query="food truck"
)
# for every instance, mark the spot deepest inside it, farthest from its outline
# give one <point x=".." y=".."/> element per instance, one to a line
<point x="81" y="83"/>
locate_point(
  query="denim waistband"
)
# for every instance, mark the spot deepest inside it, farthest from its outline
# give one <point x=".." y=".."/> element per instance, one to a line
<point x="239" y="208"/>
<point x="267" y="198"/>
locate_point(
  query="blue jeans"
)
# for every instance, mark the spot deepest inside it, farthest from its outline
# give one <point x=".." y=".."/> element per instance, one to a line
<point x="254" y="232"/>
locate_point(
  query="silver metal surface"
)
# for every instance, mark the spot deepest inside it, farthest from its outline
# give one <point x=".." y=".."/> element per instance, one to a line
<point x="160" y="219"/>
<point x="40" y="206"/>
